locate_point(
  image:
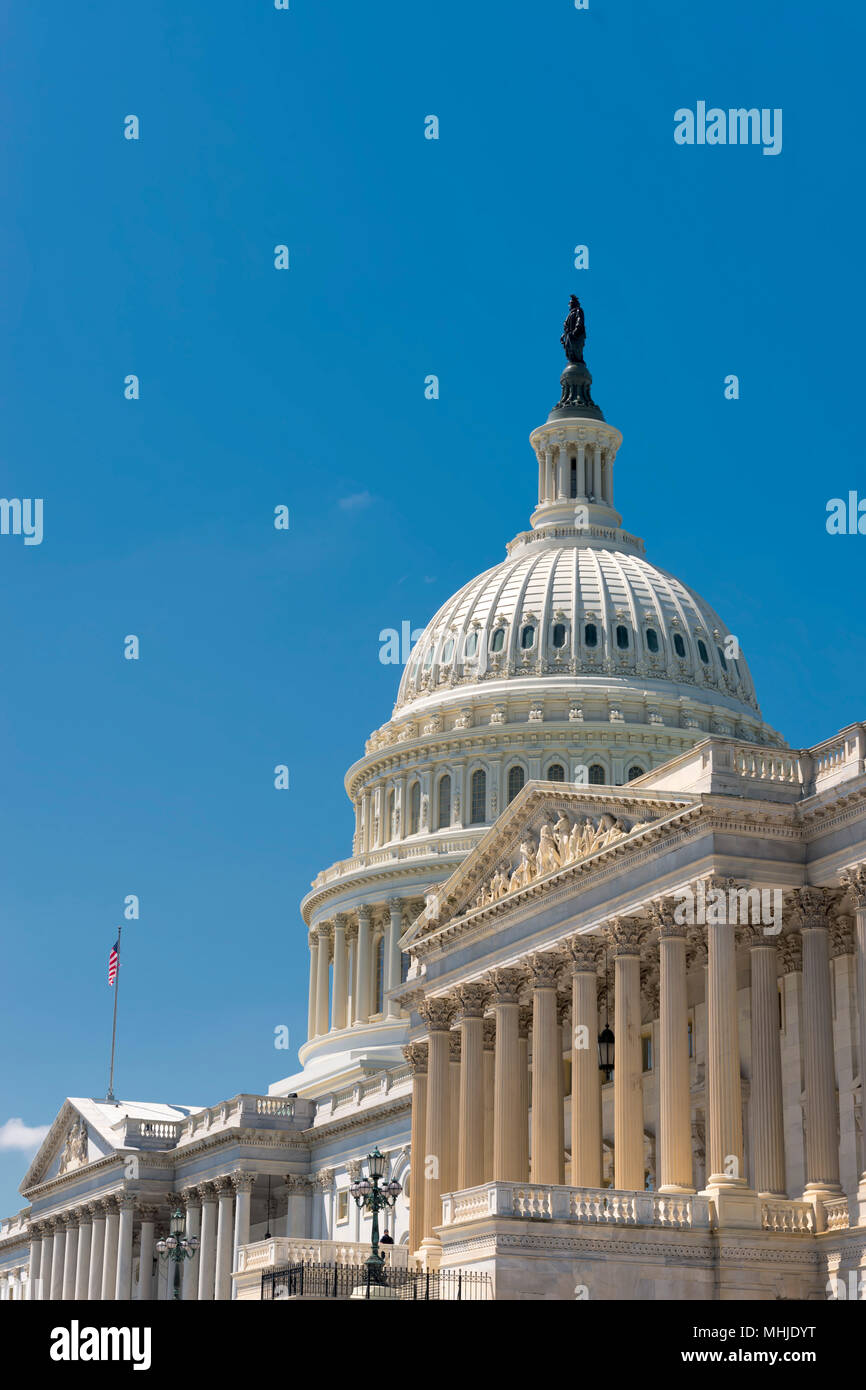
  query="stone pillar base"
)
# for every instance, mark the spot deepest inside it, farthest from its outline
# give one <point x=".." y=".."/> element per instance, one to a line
<point x="430" y="1254"/>
<point x="737" y="1207"/>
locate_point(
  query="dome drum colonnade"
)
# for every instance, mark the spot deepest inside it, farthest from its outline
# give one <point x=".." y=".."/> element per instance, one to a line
<point x="355" y="964"/>
<point x="566" y="979"/>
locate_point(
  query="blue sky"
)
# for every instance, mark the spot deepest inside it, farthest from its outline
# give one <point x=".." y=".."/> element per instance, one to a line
<point x="306" y="388"/>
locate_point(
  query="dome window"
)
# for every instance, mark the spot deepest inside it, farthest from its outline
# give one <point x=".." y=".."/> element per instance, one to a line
<point x="515" y="781"/>
<point x="703" y="653"/>
<point x="443" y="819"/>
<point x="679" y="644"/>
<point x="559" y="634"/>
<point x="634" y="771"/>
<point x="652" y="639"/>
<point x="498" y="640"/>
<point x="448" y="650"/>
<point x="722" y="658"/>
<point x="478" y="803"/>
<point x="622" y="637"/>
<point x="597" y="775"/>
<point x="572" y="491"/>
<point x="428" y="659"/>
<point x="471" y="644"/>
<point x="527" y="637"/>
<point x="414" y="808"/>
<point x="590" y="635"/>
<point x="556" y="773"/>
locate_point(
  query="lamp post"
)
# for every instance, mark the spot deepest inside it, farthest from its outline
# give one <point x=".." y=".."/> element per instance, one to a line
<point x="177" y="1246"/>
<point x="368" y="1193"/>
<point x="606" y="1039"/>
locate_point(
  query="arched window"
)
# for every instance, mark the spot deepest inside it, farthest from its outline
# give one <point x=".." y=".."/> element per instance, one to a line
<point x="478" y="803"/>
<point x="634" y="771"/>
<point x="379" y="981"/>
<point x="572" y="492"/>
<point x="428" y="658"/>
<point x="722" y="658"/>
<point x="703" y="653"/>
<point x="590" y="635"/>
<point x="515" y="781"/>
<point x="498" y="640"/>
<point x="414" y="808"/>
<point x="448" y="651"/>
<point x="621" y="637"/>
<point x="443" y="819"/>
<point x="679" y="644"/>
<point x="471" y="644"/>
<point x="559" y="634"/>
<point x="652" y="639"/>
<point x="597" y="776"/>
<point x="556" y="773"/>
<point x="527" y="637"/>
<point x="392" y="815"/>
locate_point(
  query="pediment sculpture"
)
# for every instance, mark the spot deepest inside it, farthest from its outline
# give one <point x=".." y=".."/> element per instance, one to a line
<point x="558" y="845"/>
<point x="75" y="1147"/>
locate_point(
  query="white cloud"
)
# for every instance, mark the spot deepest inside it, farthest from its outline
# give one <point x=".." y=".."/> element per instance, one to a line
<point x="354" y="501"/>
<point x="14" y="1134"/>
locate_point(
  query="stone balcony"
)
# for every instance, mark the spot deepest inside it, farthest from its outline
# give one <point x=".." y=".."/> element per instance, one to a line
<point x="242" y="1112"/>
<point x="256" y="1259"/>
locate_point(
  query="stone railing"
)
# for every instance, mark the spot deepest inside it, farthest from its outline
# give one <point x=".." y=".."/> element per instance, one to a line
<point x="766" y="765"/>
<point x="837" y="1214"/>
<point x="789" y="1218"/>
<point x="437" y="848"/>
<point x="287" y="1250"/>
<point x="596" y="1206"/>
<point x="241" y="1112"/>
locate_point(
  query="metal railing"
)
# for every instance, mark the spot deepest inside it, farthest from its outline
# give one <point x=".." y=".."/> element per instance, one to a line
<point x="349" y="1281"/>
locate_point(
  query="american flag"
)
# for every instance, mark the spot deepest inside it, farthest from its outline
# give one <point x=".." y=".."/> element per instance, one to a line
<point x="112" y="963"/>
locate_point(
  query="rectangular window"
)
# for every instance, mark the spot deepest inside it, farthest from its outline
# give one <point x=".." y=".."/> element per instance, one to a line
<point x="646" y="1044"/>
<point x="691" y="1040"/>
<point x="573" y="488"/>
<point x="342" y="1207"/>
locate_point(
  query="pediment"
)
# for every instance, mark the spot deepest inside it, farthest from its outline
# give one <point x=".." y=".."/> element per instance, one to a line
<point x="540" y="835"/>
<point x="69" y="1144"/>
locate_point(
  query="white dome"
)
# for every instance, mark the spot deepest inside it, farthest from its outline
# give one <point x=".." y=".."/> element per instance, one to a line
<point x="577" y="613"/>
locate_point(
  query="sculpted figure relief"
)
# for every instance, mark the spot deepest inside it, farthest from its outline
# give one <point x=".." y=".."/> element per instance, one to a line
<point x="558" y="845"/>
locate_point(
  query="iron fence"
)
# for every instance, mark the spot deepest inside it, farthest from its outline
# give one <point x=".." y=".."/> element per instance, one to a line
<point x="305" y="1280"/>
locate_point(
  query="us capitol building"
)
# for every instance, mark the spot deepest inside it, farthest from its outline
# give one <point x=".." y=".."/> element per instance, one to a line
<point x="593" y="976"/>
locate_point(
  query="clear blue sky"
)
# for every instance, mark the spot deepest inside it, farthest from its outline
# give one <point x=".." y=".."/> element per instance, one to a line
<point x="305" y="387"/>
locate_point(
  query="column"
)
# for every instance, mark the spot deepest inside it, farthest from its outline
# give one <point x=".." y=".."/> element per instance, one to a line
<point x="191" y="1268"/>
<point x="340" y="1001"/>
<point x="675" y="1116"/>
<point x="416" y="1056"/>
<point x="393" y="956"/>
<point x="325" y="1183"/>
<point x="144" y="1288"/>
<point x="768" y="1128"/>
<point x="47" y="1259"/>
<point x="454" y="1116"/>
<point x="488" y="1067"/>
<point x="585" y="1075"/>
<point x="123" y="1282"/>
<point x="57" y="1253"/>
<point x="855" y="881"/>
<point x="508" y="1119"/>
<point x="109" y="1258"/>
<point x="207" y="1249"/>
<point x="524" y="1024"/>
<point x="625" y="937"/>
<point x="471" y="1000"/>
<point x="243" y="1186"/>
<point x="298" y="1190"/>
<point x="322" y="965"/>
<point x="82" y="1267"/>
<point x="822" y="1111"/>
<point x="790" y="950"/>
<point x="222" y="1277"/>
<point x="547" y="1115"/>
<point x="725" y="1161"/>
<point x="437" y="1014"/>
<point x="35" y="1261"/>
<point x="363" y="959"/>
<point x="312" y="1010"/>
<point x="97" y="1252"/>
<point x="596" y="472"/>
<point x="581" y="472"/>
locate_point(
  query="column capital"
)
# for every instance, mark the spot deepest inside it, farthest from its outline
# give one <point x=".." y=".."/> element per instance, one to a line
<point x="454" y="1046"/>
<point x="489" y="1035"/>
<point x="416" y="1056"/>
<point x="625" y="936"/>
<point x="791" y="953"/>
<point x="524" y="1020"/>
<point x="126" y="1201"/>
<point x="324" y="1179"/>
<point x="149" y="1214"/>
<point x="506" y="984"/>
<point x="472" y="1000"/>
<point x="341" y="921"/>
<point x="663" y="917"/>
<point x="324" y="932"/>
<point x="585" y="953"/>
<point x="544" y="969"/>
<point x="191" y="1196"/>
<point x="243" y="1181"/>
<point x="854" y="880"/>
<point x="297" y="1183"/>
<point x="437" y="1013"/>
<point x="365" y="914"/>
<point x="810" y="908"/>
<point x="223" y="1185"/>
<point x="842" y="941"/>
<point x="395" y="906"/>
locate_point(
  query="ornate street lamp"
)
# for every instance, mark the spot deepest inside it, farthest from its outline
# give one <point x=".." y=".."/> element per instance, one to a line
<point x="605" y="1037"/>
<point x="177" y="1246"/>
<point x="368" y="1193"/>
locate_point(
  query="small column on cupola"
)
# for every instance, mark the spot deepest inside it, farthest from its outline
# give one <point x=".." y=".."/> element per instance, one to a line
<point x="575" y="447"/>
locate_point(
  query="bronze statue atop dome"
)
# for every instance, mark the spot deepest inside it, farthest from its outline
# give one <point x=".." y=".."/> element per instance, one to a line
<point x="576" y="380"/>
<point x="574" y="331"/>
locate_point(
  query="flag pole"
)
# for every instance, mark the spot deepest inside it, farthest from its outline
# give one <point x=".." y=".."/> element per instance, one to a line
<point x="110" y="1095"/>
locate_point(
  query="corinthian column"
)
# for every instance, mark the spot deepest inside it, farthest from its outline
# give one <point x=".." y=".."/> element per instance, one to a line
<point x="57" y="1253"/>
<point x="97" y="1252"/>
<point x="625" y="938"/>
<point x="207" y="1249"/>
<point x="507" y="1118"/>
<point x="585" y="1075"/>
<point x="322" y="967"/>
<point x="768" y="1128"/>
<point x="811" y="914"/>
<point x="144" y="1288"/>
<point x="82" y="1266"/>
<point x="35" y="1291"/>
<point x="312" y="1008"/>
<point x="363" y="968"/>
<point x="189" y="1274"/>
<point x="725" y="1161"/>
<point x="70" y="1256"/>
<point x="437" y="1014"/>
<point x="393" y="960"/>
<point x="340" y="1001"/>
<point x="223" y="1272"/>
<point x="109" y="1259"/>
<point x="416" y="1056"/>
<point x="471" y="1001"/>
<point x="547" y="1112"/>
<point x="674" y="1104"/>
<point x="243" y="1186"/>
<point x="123" y="1282"/>
<point x="855" y="881"/>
